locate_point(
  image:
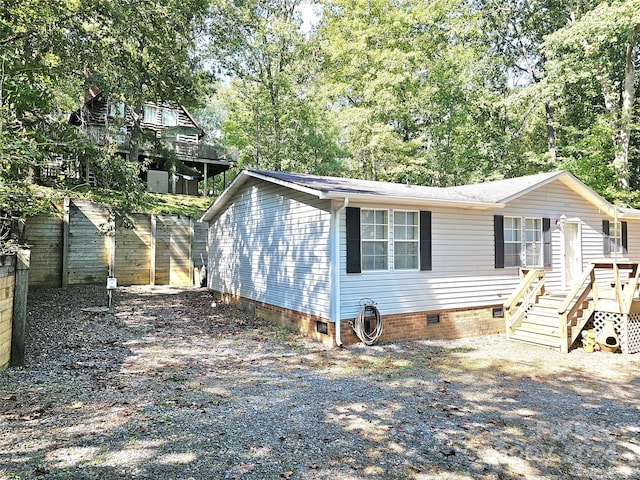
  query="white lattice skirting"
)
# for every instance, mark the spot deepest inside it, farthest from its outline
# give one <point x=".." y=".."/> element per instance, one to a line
<point x="629" y="334"/>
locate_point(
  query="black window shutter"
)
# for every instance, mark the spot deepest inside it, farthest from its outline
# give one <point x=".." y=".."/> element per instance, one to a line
<point x="606" y="240"/>
<point x="425" y="240"/>
<point x="623" y="235"/>
<point x="498" y="236"/>
<point x="354" y="265"/>
<point x="546" y="240"/>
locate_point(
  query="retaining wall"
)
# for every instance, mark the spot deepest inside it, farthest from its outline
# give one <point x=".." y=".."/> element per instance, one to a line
<point x="7" y="286"/>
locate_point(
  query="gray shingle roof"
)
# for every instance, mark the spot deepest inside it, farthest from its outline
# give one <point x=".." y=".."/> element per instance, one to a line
<point x="499" y="191"/>
<point x="488" y="192"/>
<point x="479" y="195"/>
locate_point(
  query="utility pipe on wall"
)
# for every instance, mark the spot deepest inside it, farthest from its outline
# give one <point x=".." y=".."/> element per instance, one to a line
<point x="335" y="268"/>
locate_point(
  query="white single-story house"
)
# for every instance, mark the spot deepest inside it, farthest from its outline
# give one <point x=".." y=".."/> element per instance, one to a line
<point x="310" y="251"/>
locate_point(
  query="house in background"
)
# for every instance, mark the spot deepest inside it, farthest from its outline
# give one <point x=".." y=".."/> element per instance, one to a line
<point x="310" y="251"/>
<point x="104" y="120"/>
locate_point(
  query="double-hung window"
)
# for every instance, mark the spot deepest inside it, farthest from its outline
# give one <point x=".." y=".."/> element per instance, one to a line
<point x="116" y="109"/>
<point x="388" y="240"/>
<point x="512" y="241"/>
<point x="382" y="240"/>
<point x="615" y="237"/>
<point x="533" y="242"/>
<point x="374" y="232"/>
<point x="406" y="238"/>
<point x="523" y="245"/>
<point x="169" y="117"/>
<point x="150" y="114"/>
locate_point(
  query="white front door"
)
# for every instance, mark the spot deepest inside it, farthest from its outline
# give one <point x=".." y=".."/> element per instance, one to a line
<point x="572" y="253"/>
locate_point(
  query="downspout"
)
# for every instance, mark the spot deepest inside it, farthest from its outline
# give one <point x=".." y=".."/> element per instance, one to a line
<point x="335" y="268"/>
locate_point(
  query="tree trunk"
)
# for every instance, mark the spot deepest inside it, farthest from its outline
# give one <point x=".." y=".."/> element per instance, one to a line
<point x="621" y="160"/>
<point x="273" y="93"/>
<point x="136" y="133"/>
<point x="551" y="131"/>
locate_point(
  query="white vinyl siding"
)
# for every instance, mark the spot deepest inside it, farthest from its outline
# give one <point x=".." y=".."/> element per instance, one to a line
<point x="463" y="273"/>
<point x="272" y="245"/>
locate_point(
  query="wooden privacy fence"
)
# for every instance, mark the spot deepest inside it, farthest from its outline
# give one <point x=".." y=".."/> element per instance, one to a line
<point x="85" y="243"/>
<point x="14" y="278"/>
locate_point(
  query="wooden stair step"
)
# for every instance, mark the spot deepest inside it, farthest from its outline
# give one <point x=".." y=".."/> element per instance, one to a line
<point x="544" y="311"/>
<point x="528" y="337"/>
<point x="540" y="319"/>
<point x="550" y="330"/>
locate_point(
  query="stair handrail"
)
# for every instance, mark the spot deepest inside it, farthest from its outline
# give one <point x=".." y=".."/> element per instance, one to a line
<point x="630" y="289"/>
<point x="523" y="297"/>
<point x="568" y="310"/>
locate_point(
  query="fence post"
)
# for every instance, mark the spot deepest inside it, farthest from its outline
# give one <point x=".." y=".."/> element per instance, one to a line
<point x="112" y="244"/>
<point x="64" y="280"/>
<point x="152" y="253"/>
<point x="19" y="320"/>
<point x="192" y="235"/>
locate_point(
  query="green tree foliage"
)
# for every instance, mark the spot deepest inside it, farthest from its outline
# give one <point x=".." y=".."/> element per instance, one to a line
<point x="592" y="63"/>
<point x="411" y="87"/>
<point x="272" y="116"/>
<point x="141" y="52"/>
<point x="51" y="51"/>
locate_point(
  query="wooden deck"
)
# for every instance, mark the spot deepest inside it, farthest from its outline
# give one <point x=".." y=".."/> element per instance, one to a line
<point x="556" y="319"/>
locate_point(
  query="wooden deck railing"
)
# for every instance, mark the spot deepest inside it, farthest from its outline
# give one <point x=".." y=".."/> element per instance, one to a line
<point x="572" y="312"/>
<point x="581" y="302"/>
<point x="625" y="289"/>
<point x="531" y="286"/>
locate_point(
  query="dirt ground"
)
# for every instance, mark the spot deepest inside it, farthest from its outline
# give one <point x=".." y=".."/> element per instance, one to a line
<point x="167" y="385"/>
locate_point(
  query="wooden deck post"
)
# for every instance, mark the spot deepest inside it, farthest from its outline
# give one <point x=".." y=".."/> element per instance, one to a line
<point x="19" y="320"/>
<point x="206" y="177"/>
<point x="564" y="333"/>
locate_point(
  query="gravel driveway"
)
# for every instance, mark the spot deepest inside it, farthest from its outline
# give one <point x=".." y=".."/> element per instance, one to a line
<point x="168" y="386"/>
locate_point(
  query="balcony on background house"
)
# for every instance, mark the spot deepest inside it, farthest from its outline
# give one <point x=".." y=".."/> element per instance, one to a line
<point x="193" y="150"/>
<point x="185" y="150"/>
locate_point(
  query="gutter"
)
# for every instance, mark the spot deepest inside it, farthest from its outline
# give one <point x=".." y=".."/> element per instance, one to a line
<point x="335" y="268"/>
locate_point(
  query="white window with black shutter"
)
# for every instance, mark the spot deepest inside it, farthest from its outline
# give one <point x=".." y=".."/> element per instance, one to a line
<point x="374" y="235"/>
<point x="614" y="238"/>
<point x="522" y="241"/>
<point x="406" y="239"/>
<point x="388" y="240"/>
